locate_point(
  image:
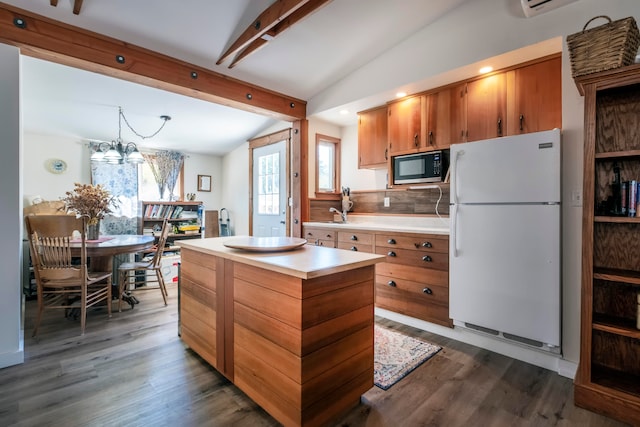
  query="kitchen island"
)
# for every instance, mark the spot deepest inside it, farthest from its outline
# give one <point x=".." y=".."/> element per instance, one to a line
<point x="292" y="329"/>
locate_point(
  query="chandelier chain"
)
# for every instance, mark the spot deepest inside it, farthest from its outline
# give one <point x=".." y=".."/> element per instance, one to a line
<point x="164" y="122"/>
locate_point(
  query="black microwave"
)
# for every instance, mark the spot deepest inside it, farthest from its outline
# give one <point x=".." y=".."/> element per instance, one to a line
<point x="431" y="166"/>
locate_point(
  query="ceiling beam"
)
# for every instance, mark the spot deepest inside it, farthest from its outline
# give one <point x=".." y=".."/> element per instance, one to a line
<point x="77" y="5"/>
<point x="304" y="11"/>
<point x="55" y="41"/>
<point x="263" y="23"/>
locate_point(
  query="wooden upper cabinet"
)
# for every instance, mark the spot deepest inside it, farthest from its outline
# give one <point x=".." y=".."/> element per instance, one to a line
<point x="405" y="125"/>
<point x="487" y="107"/>
<point x="445" y="117"/>
<point x="372" y="138"/>
<point x="535" y="97"/>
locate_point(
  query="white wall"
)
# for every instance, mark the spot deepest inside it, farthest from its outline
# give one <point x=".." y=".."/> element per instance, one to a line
<point x="317" y="126"/>
<point x="39" y="181"/>
<point x="200" y="164"/>
<point x="351" y="176"/>
<point x="235" y="194"/>
<point x="475" y="31"/>
<point x="11" y="342"/>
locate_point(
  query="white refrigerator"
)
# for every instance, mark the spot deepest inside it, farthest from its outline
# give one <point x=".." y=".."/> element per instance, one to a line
<point x="505" y="238"/>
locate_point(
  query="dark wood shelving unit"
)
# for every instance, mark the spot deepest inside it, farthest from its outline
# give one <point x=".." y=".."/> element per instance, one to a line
<point x="608" y="377"/>
<point x="170" y="209"/>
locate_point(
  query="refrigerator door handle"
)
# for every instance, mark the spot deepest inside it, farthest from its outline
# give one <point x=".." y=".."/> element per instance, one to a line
<point x="454" y="166"/>
<point x="454" y="231"/>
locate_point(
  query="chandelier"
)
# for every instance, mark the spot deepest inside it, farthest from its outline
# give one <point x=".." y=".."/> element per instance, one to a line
<point x="117" y="152"/>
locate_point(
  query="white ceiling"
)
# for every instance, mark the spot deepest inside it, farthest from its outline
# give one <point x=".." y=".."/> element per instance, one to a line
<point x="303" y="61"/>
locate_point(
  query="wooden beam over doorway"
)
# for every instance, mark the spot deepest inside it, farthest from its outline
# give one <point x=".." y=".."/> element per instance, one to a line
<point x="48" y="39"/>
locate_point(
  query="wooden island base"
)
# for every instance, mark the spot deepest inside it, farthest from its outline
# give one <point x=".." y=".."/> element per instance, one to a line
<point x="300" y="347"/>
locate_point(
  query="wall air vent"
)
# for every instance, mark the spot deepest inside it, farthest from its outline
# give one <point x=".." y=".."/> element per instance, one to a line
<point x="536" y="7"/>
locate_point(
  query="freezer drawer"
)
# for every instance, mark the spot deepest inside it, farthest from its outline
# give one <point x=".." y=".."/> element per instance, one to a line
<point x="505" y="269"/>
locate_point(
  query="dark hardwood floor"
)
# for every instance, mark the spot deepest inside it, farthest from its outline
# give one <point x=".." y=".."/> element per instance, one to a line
<point x="133" y="370"/>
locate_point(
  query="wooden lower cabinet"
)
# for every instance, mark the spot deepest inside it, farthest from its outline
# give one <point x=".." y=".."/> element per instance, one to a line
<point x="414" y="280"/>
<point x="302" y="349"/>
<point x="198" y="305"/>
<point x="356" y="241"/>
<point x="320" y="236"/>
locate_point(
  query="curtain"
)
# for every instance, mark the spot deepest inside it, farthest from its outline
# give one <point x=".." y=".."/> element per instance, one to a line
<point x="122" y="182"/>
<point x="165" y="166"/>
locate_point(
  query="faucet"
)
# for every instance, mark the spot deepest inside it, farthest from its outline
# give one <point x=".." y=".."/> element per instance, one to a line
<point x="343" y="214"/>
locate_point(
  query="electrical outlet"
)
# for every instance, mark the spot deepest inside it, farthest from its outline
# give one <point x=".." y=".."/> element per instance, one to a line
<point x="386" y="202"/>
<point x="576" y="198"/>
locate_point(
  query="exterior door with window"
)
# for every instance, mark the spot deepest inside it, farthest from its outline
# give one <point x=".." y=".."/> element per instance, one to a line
<point x="270" y="190"/>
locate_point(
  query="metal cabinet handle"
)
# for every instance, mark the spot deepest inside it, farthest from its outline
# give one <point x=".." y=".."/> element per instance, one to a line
<point x="353" y="248"/>
<point x="426" y="245"/>
<point x="427" y="258"/>
<point x="415" y="139"/>
<point x="427" y="291"/>
<point x="521" y="120"/>
<point x="329" y="235"/>
<point x="354" y="237"/>
<point x="386" y="154"/>
<point x="391" y="241"/>
<point x="391" y="283"/>
<point x="391" y="253"/>
<point x="430" y="137"/>
<point x="499" y="127"/>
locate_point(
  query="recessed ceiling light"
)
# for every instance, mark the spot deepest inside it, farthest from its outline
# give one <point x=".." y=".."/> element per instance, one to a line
<point x="401" y="94"/>
<point x="485" y="70"/>
<point x="344" y="112"/>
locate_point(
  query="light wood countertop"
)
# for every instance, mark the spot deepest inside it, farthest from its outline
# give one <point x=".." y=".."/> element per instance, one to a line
<point x="388" y="223"/>
<point x="306" y="262"/>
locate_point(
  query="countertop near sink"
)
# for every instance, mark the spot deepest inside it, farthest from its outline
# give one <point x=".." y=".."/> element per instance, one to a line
<point x="409" y="224"/>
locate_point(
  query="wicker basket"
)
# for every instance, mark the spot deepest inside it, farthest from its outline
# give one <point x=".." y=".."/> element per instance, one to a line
<point x="605" y="47"/>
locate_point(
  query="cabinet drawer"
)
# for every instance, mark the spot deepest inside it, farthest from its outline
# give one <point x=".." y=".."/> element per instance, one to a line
<point x="319" y="233"/>
<point x="320" y="242"/>
<point x="355" y="237"/>
<point x="435" y="260"/>
<point x="432" y="243"/>
<point x="416" y="274"/>
<point x="412" y="304"/>
<point x="423" y="292"/>
<point x="355" y="246"/>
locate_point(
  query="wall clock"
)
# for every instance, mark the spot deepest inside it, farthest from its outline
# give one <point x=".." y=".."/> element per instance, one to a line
<point x="56" y="165"/>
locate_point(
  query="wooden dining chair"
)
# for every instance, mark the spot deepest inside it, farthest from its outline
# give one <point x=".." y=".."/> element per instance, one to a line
<point x="133" y="274"/>
<point x="62" y="277"/>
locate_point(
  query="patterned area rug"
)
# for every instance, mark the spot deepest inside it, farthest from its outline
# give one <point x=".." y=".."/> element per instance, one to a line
<point x="396" y="355"/>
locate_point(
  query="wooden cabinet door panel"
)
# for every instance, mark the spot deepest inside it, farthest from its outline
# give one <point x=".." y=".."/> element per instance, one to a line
<point x="445" y="118"/>
<point x="537" y="97"/>
<point x="486" y="107"/>
<point x="404" y="125"/>
<point x="372" y="138"/>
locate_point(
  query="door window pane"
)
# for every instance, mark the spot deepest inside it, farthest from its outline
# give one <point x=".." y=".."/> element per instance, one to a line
<point x="269" y="184"/>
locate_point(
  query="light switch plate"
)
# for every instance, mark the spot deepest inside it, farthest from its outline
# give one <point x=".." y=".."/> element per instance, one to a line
<point x="386" y="202"/>
<point x="576" y="198"/>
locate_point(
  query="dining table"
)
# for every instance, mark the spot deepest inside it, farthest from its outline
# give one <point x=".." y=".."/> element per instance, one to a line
<point x="102" y="250"/>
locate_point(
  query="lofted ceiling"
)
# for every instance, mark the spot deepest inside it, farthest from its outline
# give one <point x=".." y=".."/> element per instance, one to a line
<point x="302" y="61"/>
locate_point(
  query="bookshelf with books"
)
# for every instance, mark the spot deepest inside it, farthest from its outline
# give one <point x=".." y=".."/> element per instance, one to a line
<point x="608" y="377"/>
<point x="184" y="217"/>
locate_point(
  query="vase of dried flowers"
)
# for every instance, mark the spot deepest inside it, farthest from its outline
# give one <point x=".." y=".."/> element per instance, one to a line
<point x="92" y="202"/>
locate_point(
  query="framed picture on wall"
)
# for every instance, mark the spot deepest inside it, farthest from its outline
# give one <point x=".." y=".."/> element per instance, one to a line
<point x="204" y="182"/>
